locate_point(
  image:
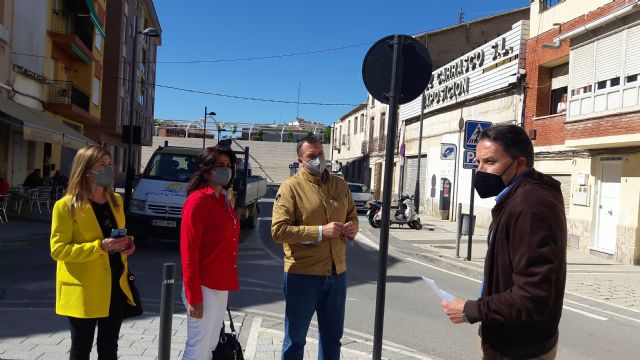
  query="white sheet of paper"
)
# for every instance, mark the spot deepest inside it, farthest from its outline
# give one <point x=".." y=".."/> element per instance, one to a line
<point x="443" y="295"/>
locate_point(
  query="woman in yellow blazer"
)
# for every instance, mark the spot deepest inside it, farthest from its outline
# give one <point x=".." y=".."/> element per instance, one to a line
<point x="91" y="283"/>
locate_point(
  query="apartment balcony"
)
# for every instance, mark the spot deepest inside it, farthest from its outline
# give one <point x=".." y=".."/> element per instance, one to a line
<point x="373" y="145"/>
<point x="73" y="34"/>
<point x="382" y="144"/>
<point x="67" y="99"/>
<point x="364" y="147"/>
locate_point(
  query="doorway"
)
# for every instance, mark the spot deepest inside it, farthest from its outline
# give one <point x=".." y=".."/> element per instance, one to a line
<point x="608" y="209"/>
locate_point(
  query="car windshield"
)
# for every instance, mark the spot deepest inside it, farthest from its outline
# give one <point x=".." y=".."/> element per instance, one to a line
<point x="357" y="188"/>
<point x="170" y="167"/>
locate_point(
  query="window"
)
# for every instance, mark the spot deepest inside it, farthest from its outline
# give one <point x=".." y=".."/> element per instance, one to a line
<point x="614" y="82"/>
<point x="601" y="85"/>
<point x="141" y="92"/>
<point x="550" y="3"/>
<point x="355" y="125"/>
<point x="631" y="79"/>
<point x="558" y="101"/>
<point x="362" y="123"/>
<point x="98" y="42"/>
<point x="95" y="92"/>
<point x="583" y="90"/>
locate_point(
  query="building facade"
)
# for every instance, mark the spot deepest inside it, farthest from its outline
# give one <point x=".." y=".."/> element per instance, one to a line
<point x="590" y="141"/>
<point x="485" y="84"/>
<point x="48" y="98"/>
<point x="121" y="19"/>
<point x="445" y="45"/>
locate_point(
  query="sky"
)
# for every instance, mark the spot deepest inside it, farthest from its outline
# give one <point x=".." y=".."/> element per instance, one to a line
<point x="225" y="32"/>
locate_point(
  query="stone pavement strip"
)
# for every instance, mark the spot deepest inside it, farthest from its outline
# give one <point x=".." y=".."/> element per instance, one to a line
<point x="38" y="333"/>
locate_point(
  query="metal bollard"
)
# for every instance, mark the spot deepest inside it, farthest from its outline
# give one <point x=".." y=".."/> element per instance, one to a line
<point x="459" y="230"/>
<point x="166" y="310"/>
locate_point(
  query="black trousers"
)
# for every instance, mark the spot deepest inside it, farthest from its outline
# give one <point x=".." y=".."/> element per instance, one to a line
<point x="83" y="330"/>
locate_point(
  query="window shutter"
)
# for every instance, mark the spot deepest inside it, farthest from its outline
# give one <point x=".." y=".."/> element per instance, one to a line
<point x="560" y="76"/>
<point x="581" y="66"/>
<point x="632" y="58"/>
<point x="609" y="57"/>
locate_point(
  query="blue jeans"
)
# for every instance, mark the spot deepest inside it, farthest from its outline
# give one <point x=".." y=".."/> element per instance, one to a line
<point x="306" y="294"/>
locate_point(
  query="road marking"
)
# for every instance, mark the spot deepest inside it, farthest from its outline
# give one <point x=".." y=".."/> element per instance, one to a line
<point x="252" y="341"/>
<point x="443" y="270"/>
<point x="603" y="311"/>
<point x="602" y="302"/>
<point x="478" y="281"/>
<point x="249" y="288"/>
<point x="352" y="299"/>
<point x="365" y="240"/>
<point x="389" y="344"/>
<point x="584" y="313"/>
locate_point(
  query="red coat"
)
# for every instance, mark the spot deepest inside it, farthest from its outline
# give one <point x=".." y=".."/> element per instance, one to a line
<point x="208" y="244"/>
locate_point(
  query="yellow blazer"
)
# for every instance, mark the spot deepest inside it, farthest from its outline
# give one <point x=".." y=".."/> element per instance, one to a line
<point x="83" y="275"/>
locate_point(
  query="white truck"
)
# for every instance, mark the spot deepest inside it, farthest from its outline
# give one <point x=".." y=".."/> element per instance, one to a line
<point x="160" y="192"/>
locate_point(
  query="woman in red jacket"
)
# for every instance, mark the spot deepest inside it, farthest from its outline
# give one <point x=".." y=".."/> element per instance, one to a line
<point x="209" y="250"/>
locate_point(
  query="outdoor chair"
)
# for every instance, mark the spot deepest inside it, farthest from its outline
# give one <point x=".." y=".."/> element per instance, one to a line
<point x="19" y="195"/>
<point x="40" y="196"/>
<point x="60" y="192"/>
<point x="4" y="201"/>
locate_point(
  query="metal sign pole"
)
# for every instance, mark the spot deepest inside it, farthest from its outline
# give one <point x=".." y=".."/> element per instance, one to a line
<point x="416" y="197"/>
<point x="396" y="80"/>
<point x="471" y="222"/>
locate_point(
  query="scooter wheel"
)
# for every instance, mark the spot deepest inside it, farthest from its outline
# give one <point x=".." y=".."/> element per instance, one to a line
<point x="418" y="226"/>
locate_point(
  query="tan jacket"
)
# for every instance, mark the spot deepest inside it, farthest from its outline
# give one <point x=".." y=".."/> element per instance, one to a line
<point x="302" y="204"/>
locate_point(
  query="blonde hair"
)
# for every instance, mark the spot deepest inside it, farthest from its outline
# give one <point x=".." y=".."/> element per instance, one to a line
<point x="80" y="183"/>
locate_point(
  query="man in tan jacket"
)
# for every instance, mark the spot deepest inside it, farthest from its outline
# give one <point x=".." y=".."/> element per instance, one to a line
<point x="313" y="217"/>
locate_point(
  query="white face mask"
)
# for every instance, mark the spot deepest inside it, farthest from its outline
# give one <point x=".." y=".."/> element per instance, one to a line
<point x="221" y="176"/>
<point x="316" y="166"/>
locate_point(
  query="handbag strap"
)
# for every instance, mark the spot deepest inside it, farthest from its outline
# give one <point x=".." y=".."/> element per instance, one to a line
<point x="233" y="329"/>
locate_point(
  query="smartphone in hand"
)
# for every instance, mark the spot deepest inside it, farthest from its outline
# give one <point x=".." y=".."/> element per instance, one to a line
<point x="118" y="233"/>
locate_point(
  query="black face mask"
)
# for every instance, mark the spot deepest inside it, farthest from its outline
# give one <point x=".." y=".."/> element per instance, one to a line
<point x="488" y="184"/>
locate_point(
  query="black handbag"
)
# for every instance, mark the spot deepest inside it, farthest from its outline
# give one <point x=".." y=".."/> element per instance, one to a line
<point x="228" y="345"/>
<point x="132" y="310"/>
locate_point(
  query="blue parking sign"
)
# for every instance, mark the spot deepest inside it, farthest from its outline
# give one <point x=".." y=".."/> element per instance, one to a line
<point x="472" y="130"/>
<point x="469" y="160"/>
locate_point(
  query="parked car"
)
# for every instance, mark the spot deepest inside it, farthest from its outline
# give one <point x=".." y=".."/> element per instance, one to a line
<point x="361" y="196"/>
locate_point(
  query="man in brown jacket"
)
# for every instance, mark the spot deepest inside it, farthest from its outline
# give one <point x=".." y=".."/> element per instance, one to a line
<point x="313" y="216"/>
<point x="525" y="267"/>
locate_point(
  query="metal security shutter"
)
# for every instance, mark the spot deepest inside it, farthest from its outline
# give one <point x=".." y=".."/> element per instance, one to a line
<point x="565" y="187"/>
<point x="609" y="57"/>
<point x="581" y="66"/>
<point x="632" y="58"/>
<point x="560" y="76"/>
<point x="411" y="171"/>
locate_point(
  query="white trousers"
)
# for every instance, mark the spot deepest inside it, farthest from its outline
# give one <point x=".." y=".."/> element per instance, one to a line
<point x="203" y="334"/>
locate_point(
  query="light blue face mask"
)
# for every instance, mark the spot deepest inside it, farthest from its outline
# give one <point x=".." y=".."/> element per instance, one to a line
<point x="221" y="176"/>
<point x="316" y="166"/>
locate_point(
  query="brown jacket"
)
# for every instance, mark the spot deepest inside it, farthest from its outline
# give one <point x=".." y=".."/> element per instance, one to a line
<point x="302" y="204"/>
<point x="524" y="272"/>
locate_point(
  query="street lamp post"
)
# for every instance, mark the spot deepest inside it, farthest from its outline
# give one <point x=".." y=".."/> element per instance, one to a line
<point x="149" y="32"/>
<point x="204" y="129"/>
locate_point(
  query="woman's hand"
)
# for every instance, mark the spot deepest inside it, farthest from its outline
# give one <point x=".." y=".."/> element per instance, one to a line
<point x="195" y="311"/>
<point x="130" y="247"/>
<point x="113" y="244"/>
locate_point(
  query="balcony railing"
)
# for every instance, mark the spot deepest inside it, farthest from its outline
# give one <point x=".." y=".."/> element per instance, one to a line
<point x="373" y="145"/>
<point x="68" y="23"/>
<point x="382" y="144"/>
<point x="364" y="148"/>
<point x="64" y="92"/>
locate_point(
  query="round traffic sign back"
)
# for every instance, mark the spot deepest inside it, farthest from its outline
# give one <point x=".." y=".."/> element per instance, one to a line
<point x="377" y="69"/>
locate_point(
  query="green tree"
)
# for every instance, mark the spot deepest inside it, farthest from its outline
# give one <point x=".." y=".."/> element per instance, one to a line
<point x="309" y="132"/>
<point x="289" y="137"/>
<point x="326" y="135"/>
<point x="258" y="137"/>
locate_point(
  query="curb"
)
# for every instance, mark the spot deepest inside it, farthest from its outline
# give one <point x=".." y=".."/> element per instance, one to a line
<point x="25" y="242"/>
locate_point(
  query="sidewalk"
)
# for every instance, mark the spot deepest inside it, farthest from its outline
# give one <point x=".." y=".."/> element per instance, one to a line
<point x="589" y="276"/>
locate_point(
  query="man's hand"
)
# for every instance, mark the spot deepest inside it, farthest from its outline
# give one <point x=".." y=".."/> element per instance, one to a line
<point x="332" y="230"/>
<point x="350" y="230"/>
<point x="195" y="311"/>
<point x="454" y="310"/>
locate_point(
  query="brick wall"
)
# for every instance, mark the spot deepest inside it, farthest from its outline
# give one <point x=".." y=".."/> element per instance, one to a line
<point x="619" y="124"/>
<point x="548" y="130"/>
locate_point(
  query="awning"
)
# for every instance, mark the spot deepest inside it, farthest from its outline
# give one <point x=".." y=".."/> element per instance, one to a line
<point x="37" y="126"/>
<point x="94" y="17"/>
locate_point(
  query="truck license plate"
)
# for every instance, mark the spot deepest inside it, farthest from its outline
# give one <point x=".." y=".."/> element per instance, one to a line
<point x="164" y="223"/>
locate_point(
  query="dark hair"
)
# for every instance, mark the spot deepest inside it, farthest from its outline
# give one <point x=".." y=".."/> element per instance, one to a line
<point x="205" y="162"/>
<point x="309" y="140"/>
<point x="513" y="140"/>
